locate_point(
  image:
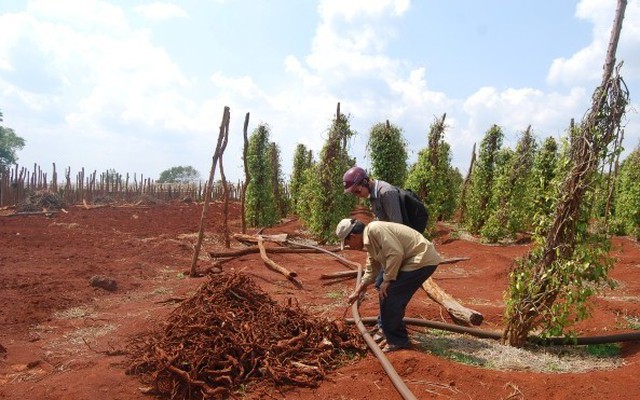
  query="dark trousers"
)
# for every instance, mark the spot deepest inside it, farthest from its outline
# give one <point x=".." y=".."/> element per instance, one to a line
<point x="393" y="307"/>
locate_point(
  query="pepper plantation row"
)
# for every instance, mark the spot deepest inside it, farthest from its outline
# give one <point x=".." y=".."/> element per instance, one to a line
<point x="570" y="195"/>
<point x="504" y="193"/>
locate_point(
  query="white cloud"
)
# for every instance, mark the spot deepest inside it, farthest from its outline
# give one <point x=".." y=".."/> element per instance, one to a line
<point x="160" y="11"/>
<point x="414" y="91"/>
<point x="112" y="85"/>
<point x="344" y="45"/>
<point x="243" y="87"/>
<point x="516" y="109"/>
<point x="86" y="15"/>
<point x="105" y="74"/>
<point x="584" y="67"/>
<point x="579" y="68"/>
<point x="351" y="9"/>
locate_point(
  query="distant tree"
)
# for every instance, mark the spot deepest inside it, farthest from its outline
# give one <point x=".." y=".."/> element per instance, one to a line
<point x="260" y="205"/>
<point x="323" y="193"/>
<point x="433" y="178"/>
<point x="302" y="161"/>
<point x="180" y="174"/>
<point x="627" y="200"/>
<point x="495" y="226"/>
<point x="542" y="184"/>
<point x="279" y="187"/>
<point x="388" y="152"/>
<point x="479" y="206"/>
<point x="9" y="144"/>
<point x="512" y="194"/>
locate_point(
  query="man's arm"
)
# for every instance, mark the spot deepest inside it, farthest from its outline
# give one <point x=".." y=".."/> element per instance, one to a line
<point x="367" y="279"/>
<point x="371" y="270"/>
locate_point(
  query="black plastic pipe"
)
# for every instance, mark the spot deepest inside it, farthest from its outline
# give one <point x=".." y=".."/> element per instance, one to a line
<point x="580" y="341"/>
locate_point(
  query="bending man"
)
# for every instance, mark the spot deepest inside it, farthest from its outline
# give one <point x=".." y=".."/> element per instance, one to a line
<point x="403" y="257"/>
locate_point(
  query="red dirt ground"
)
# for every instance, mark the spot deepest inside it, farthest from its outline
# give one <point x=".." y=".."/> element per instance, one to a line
<point x="60" y="338"/>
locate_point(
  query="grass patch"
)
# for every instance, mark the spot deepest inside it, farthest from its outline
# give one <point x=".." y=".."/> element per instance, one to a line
<point x="606" y="350"/>
<point x="74" y="313"/>
<point x="82" y="335"/>
<point x="466" y="358"/>
<point x="336" y="295"/>
<point x="162" y="290"/>
<point x="633" y="322"/>
<point x="438" y="332"/>
<point x="490" y="354"/>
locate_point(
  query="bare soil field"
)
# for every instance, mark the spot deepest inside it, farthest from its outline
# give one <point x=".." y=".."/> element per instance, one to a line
<point x="61" y="338"/>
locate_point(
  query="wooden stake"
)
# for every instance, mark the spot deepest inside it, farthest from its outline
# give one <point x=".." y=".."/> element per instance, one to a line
<point x="207" y="193"/>
<point x="225" y="224"/>
<point x="247" y="177"/>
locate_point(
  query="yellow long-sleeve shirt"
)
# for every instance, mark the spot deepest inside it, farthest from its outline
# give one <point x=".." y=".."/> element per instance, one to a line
<point x="395" y="247"/>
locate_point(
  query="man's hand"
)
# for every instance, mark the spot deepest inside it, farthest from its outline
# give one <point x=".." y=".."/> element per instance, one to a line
<point x="359" y="292"/>
<point x="383" y="288"/>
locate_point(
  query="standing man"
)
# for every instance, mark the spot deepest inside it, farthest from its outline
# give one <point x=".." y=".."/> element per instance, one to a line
<point x="403" y="258"/>
<point x="384" y="197"/>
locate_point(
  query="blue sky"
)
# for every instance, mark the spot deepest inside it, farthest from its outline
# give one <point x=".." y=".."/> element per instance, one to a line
<point x="140" y="86"/>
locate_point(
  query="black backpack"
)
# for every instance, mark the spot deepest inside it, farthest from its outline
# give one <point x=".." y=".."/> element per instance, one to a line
<point x="414" y="213"/>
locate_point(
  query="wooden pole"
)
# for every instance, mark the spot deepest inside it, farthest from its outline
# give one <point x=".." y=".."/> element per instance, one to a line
<point x="597" y="131"/>
<point x="225" y="224"/>
<point x="247" y="177"/>
<point x="342" y="260"/>
<point x="207" y="194"/>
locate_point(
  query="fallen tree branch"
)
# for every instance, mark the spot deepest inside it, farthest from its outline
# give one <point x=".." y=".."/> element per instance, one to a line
<point x="252" y="250"/>
<point x="253" y="239"/>
<point x="45" y="213"/>
<point x="88" y="206"/>
<point x="338" y="280"/>
<point x="338" y="275"/>
<point x="290" y="275"/>
<point x="342" y="260"/>
<point x="459" y="313"/>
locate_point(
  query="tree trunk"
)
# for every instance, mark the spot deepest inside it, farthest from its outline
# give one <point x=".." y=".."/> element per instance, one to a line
<point x="459" y="313"/>
<point x="207" y="194"/>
